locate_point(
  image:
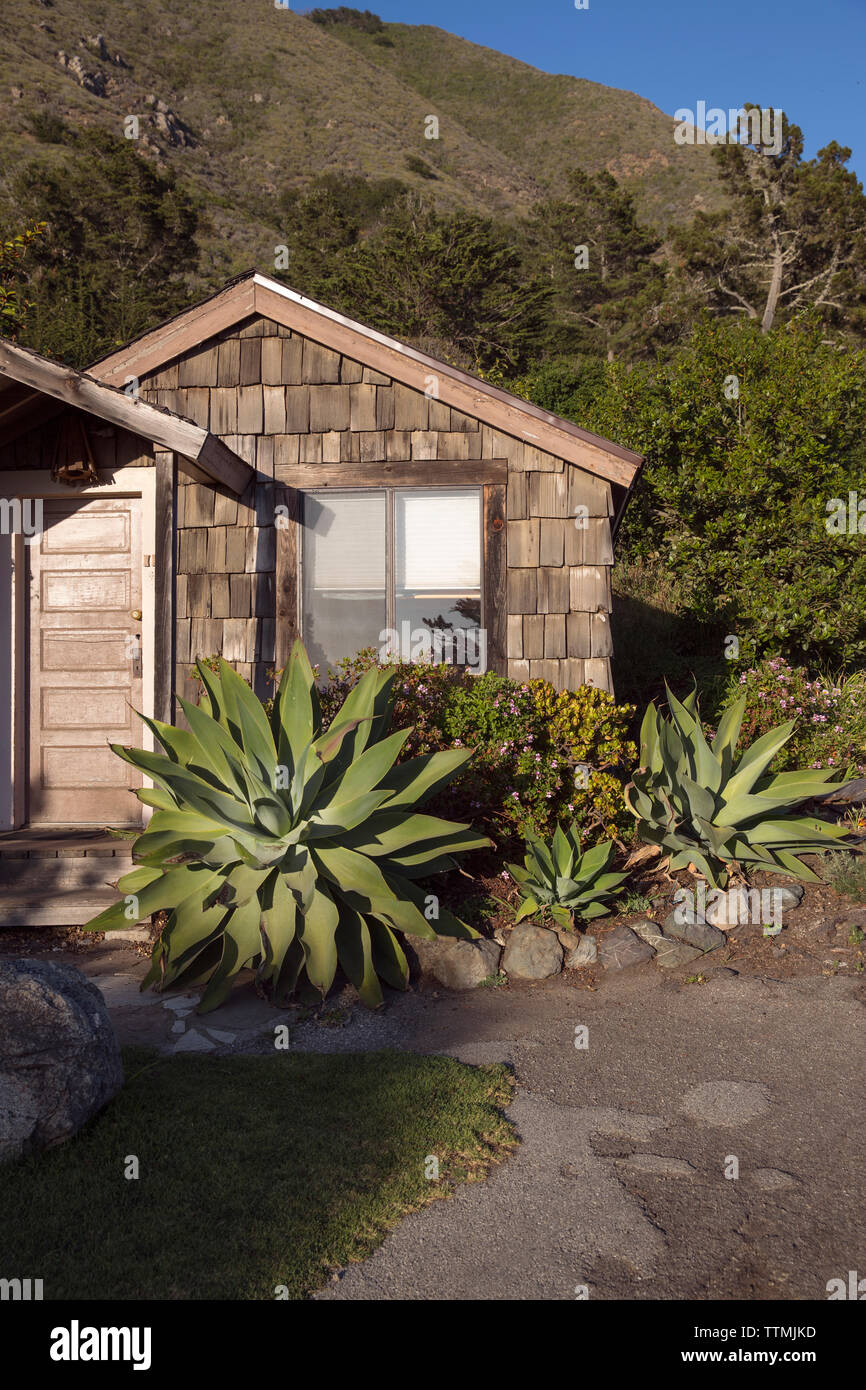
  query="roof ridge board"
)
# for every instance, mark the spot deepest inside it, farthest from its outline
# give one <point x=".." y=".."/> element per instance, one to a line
<point x="465" y="378"/>
<point x="255" y="278"/>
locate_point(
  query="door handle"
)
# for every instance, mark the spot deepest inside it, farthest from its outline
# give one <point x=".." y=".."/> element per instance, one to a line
<point x="136" y="655"/>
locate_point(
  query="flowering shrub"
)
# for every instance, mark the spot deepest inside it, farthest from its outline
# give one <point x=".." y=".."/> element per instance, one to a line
<point x="830" y="715"/>
<point x="540" y="754"/>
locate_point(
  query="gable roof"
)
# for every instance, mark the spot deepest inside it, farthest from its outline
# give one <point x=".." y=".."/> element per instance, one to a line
<point x="253" y="293"/>
<point x="33" y="377"/>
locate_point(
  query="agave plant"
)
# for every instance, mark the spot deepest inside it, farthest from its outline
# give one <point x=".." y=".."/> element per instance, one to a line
<point x="277" y="846"/>
<point x="564" y="882"/>
<point x="706" y="807"/>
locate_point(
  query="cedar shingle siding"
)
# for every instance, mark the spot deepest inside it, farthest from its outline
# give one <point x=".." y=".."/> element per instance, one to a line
<point x="279" y="400"/>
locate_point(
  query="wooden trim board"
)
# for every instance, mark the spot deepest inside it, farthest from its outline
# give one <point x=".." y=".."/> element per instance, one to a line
<point x="166" y="430"/>
<point x="420" y="473"/>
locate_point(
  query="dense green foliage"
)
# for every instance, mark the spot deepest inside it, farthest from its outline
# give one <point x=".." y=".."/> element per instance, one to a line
<point x="118" y="251"/>
<point x="702" y="805"/>
<point x="277" y="846"/>
<point x="609" y="290"/>
<point x="456" y="282"/>
<point x="735" y="494"/>
<point x="14" y="304"/>
<point x="363" y="20"/>
<point x="541" y="755"/>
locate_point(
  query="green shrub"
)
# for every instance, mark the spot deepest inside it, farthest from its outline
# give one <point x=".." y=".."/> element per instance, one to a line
<point x="846" y="873"/>
<point x="541" y="755"/>
<point x="830" y="715"/>
<point x="734" y="494"/>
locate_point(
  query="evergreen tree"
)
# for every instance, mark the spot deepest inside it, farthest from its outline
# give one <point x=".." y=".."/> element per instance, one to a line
<point x="794" y="236"/>
<point x="452" y="283"/>
<point x="119" y="249"/>
<point x="603" y="267"/>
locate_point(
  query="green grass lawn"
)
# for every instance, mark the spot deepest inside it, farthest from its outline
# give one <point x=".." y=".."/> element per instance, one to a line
<point x="254" y="1172"/>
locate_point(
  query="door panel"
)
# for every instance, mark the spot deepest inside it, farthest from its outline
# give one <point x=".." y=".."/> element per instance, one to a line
<point x="85" y="662"/>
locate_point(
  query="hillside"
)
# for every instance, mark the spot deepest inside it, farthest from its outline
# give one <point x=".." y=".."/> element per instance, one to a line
<point x="245" y="101"/>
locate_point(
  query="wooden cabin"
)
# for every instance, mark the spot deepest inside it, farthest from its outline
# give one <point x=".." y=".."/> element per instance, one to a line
<point x="258" y="468"/>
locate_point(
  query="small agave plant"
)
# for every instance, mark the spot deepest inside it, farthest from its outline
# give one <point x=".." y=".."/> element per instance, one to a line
<point x="564" y="882"/>
<point x="277" y="846"/>
<point x="704" y="806"/>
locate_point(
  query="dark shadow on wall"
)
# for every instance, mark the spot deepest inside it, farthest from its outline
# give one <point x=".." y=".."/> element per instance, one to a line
<point x="653" y="644"/>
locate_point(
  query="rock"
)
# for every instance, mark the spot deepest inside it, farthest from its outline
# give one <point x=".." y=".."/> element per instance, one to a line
<point x="194" y="1042"/>
<point x="583" y="952"/>
<point x="532" y="953"/>
<point x="648" y="931"/>
<point x="59" y="1058"/>
<point x="138" y="936"/>
<point x="670" y="954"/>
<point x="95" y="82"/>
<point x="739" y="907"/>
<point x="699" y="934"/>
<point x="98" y="45"/>
<point x="169" y="123"/>
<point x="457" y="964"/>
<point x="621" y="948"/>
<point x="791" y="895"/>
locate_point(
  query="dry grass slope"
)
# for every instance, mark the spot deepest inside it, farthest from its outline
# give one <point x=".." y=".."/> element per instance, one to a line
<point x="269" y="99"/>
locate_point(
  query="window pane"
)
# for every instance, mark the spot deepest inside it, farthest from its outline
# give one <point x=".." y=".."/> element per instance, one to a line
<point x="438" y="563"/>
<point x="439" y="538"/>
<point x="343" y="562"/>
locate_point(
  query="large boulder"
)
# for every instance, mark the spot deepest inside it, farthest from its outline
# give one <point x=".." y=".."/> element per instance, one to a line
<point x="457" y="964"/>
<point x="59" y="1058"/>
<point x="532" y="953"/>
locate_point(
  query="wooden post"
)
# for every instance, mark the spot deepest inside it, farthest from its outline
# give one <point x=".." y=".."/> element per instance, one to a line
<point x="164" y="586"/>
<point x="495" y="614"/>
<point x="286" y="579"/>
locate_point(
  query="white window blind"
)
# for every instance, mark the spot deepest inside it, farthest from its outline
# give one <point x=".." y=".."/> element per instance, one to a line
<point x="438" y="539"/>
<point x="344" y="542"/>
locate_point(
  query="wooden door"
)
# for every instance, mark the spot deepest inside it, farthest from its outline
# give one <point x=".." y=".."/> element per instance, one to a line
<point x="85" y="643"/>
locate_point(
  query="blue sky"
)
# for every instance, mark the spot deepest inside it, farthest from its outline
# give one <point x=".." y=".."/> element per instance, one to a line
<point x="806" y="56"/>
